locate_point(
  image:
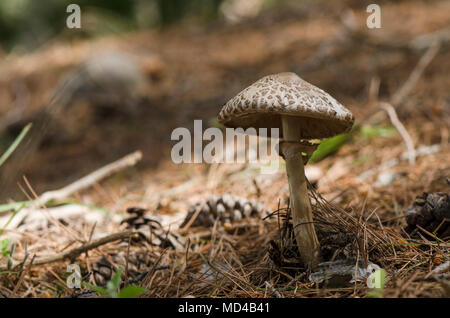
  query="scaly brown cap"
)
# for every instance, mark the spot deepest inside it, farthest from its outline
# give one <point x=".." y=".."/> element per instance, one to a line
<point x="262" y="104"/>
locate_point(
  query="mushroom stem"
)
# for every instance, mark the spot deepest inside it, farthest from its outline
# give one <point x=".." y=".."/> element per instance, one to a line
<point x="302" y="217"/>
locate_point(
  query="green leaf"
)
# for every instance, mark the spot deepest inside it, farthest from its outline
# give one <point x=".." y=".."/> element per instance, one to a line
<point x="131" y="291"/>
<point x="116" y="279"/>
<point x="114" y="284"/>
<point x="377" y="131"/>
<point x="99" y="290"/>
<point x="376" y="293"/>
<point x="329" y="146"/>
<point x="4" y="246"/>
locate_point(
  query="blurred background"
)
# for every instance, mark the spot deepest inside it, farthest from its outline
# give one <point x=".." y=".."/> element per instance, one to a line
<point x="137" y="69"/>
<point x="26" y="24"/>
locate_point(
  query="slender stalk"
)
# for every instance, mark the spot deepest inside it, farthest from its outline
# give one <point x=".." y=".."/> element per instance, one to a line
<point x="15" y="144"/>
<point x="302" y="217"/>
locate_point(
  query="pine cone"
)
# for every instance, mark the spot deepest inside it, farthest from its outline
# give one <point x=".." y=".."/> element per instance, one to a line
<point x="431" y="212"/>
<point x="152" y="229"/>
<point x="102" y="272"/>
<point x="225" y="208"/>
<point x="138" y="261"/>
<point x="137" y="219"/>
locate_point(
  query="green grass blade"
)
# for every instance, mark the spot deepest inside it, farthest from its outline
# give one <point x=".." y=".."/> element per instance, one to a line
<point x="15" y="144"/>
<point x="12" y="217"/>
<point x="131" y="291"/>
<point x="14" y="206"/>
<point x="98" y="289"/>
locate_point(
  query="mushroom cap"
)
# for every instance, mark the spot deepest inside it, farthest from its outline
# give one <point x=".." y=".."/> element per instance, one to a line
<point x="261" y="105"/>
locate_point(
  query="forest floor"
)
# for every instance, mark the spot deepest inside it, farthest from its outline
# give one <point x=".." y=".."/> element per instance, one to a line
<point x="192" y="72"/>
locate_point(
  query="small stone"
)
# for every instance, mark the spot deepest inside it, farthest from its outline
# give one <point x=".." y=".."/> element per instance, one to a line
<point x="385" y="179"/>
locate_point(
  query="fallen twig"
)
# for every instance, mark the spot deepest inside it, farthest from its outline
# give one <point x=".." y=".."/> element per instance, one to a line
<point x="75" y="252"/>
<point x="400" y="95"/>
<point x="83" y="183"/>
<point x="426" y="40"/>
<point x="420" y="151"/>
<point x="402" y="130"/>
<point x="39" y="217"/>
<point x="191" y="221"/>
<point x="90" y="179"/>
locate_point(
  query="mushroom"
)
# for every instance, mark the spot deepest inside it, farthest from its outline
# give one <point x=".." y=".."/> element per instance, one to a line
<point x="302" y="112"/>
